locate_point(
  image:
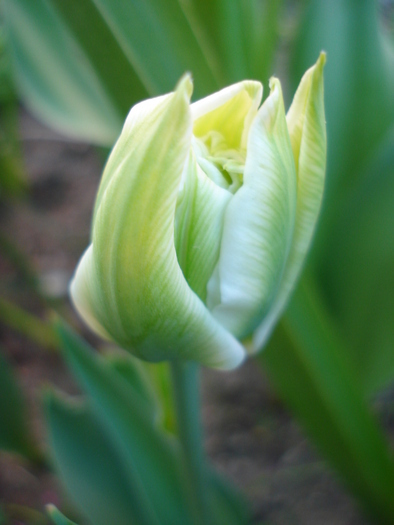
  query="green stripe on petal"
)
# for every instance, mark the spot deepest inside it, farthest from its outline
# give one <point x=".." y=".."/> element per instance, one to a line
<point x="306" y="123"/>
<point x="199" y="226"/>
<point x="136" y="269"/>
<point x="258" y="225"/>
<point x="141" y="118"/>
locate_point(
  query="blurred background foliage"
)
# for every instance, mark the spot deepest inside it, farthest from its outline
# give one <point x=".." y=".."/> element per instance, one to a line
<point x="80" y="65"/>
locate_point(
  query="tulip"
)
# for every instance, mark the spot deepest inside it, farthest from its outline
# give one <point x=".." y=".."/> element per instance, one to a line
<point x="203" y="218"/>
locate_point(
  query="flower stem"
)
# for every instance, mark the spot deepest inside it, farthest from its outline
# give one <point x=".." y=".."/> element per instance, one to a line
<point x="187" y="403"/>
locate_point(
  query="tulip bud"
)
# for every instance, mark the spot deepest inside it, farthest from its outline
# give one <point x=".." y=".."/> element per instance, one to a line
<point x="202" y="221"/>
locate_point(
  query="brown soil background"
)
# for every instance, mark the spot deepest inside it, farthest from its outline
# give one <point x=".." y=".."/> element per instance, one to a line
<point x="250" y="436"/>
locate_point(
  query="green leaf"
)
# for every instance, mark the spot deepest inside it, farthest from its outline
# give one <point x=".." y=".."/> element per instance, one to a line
<point x="158" y="40"/>
<point x="12" y="180"/>
<point x="313" y="374"/>
<point x="240" y="37"/>
<point x="359" y="85"/>
<point x="55" y="76"/>
<point x="15" y="435"/>
<point x="228" y="505"/>
<point x="27" y="324"/>
<point x="359" y="281"/>
<point x="150" y="457"/>
<point x="134" y="371"/>
<point x="105" y="54"/>
<point x="57" y="517"/>
<point x="90" y="464"/>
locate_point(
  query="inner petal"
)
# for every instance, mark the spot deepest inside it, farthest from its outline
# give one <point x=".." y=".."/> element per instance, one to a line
<point x="222" y="164"/>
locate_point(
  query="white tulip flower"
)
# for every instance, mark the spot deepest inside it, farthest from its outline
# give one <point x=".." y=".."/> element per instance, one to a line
<point x="203" y="219"/>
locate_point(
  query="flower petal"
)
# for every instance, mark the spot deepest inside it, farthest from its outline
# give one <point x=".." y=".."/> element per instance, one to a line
<point x="258" y="225"/>
<point x="306" y="123"/>
<point x="142" y="117"/>
<point x="199" y="226"/>
<point x="85" y="294"/>
<point x="137" y="273"/>
<point x="229" y="111"/>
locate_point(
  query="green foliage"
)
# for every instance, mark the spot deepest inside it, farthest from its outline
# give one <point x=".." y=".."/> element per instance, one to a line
<point x="134" y="371"/>
<point x="353" y="254"/>
<point x="83" y="82"/>
<point x="57" y="517"/>
<point x="12" y="179"/>
<point x="314" y="375"/>
<point x="66" y="92"/>
<point x="362" y="268"/>
<point x="118" y="465"/>
<point x="359" y="82"/>
<point x="14" y="432"/>
<point x="27" y="324"/>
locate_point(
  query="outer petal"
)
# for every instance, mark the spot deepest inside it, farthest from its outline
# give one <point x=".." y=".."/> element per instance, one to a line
<point x="142" y="116"/>
<point x="258" y="226"/>
<point x="229" y="111"/>
<point x="138" y="278"/>
<point x="86" y="297"/>
<point x="306" y="123"/>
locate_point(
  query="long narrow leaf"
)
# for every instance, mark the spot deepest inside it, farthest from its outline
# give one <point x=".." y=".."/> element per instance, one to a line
<point x="106" y="57"/>
<point x="241" y="36"/>
<point x="137" y="377"/>
<point x="57" y="517"/>
<point x="14" y="432"/>
<point x="312" y="373"/>
<point x="228" y="505"/>
<point x="90" y="465"/>
<point x="54" y="74"/>
<point x="149" y="456"/>
<point x="362" y="269"/>
<point x="159" y="41"/>
<point x="359" y="84"/>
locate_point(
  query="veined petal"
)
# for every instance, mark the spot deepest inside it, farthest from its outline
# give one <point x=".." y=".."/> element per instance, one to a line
<point x="306" y="123"/>
<point x="86" y="297"/>
<point x="137" y="273"/>
<point x="199" y="225"/>
<point x="229" y="111"/>
<point x="258" y="225"/>
<point x="142" y="120"/>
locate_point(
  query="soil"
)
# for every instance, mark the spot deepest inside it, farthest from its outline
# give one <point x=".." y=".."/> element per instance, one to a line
<point x="250" y="436"/>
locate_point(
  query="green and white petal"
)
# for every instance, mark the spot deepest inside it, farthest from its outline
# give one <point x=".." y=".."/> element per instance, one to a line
<point x="137" y="271"/>
<point x="85" y="295"/>
<point x="199" y="226"/>
<point x="306" y="123"/>
<point x="229" y="111"/>
<point x="141" y="121"/>
<point x="258" y="226"/>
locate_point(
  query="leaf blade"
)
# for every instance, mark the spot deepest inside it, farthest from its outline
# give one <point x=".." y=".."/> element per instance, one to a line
<point x="317" y="380"/>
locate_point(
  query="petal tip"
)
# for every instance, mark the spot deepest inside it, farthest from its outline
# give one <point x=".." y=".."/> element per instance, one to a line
<point x="322" y="59"/>
<point x="185" y="85"/>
